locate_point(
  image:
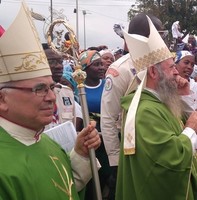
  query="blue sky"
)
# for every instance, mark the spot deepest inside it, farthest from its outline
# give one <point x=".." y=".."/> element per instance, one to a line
<point x="99" y="20"/>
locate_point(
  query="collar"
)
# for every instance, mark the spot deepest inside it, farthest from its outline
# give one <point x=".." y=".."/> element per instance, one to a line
<point x="153" y="92"/>
<point x="93" y="87"/>
<point x="20" y="133"/>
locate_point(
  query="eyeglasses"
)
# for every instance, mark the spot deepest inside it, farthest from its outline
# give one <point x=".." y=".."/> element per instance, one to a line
<point x="55" y="61"/>
<point x="40" y="90"/>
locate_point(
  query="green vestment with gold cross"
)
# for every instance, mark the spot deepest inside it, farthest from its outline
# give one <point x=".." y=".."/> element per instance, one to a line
<point x="37" y="172"/>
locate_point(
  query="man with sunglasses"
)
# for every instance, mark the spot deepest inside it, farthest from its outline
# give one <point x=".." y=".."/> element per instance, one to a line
<point x="32" y="165"/>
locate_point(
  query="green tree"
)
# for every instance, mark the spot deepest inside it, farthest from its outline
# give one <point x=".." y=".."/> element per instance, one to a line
<point x="169" y="11"/>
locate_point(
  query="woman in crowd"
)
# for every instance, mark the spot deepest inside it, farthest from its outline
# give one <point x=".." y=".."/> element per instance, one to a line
<point x="107" y="58"/>
<point x="91" y="63"/>
<point x="185" y="65"/>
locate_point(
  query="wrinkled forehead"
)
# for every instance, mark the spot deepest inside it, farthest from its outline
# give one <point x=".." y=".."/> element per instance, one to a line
<point x="43" y="79"/>
<point x="168" y="63"/>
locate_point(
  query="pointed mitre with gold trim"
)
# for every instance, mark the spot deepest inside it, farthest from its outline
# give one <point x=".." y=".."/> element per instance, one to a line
<point x="21" y="53"/>
<point x="144" y="53"/>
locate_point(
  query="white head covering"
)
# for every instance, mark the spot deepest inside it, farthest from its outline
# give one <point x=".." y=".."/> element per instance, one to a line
<point x="181" y="54"/>
<point x="21" y="53"/>
<point x="104" y="51"/>
<point x="144" y="53"/>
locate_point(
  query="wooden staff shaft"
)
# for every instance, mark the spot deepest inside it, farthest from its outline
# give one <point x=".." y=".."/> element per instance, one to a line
<point x="86" y="120"/>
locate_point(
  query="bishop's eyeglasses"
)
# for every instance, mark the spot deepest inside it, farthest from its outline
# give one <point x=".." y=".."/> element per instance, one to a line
<point x="40" y="90"/>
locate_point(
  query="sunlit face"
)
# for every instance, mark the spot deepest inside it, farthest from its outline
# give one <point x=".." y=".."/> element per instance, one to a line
<point x="25" y="107"/>
<point x="185" y="66"/>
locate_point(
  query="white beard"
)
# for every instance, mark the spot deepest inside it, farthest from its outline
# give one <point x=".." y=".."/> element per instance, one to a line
<point x="167" y="90"/>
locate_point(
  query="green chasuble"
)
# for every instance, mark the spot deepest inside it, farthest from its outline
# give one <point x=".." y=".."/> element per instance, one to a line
<point x="37" y="172"/>
<point x="163" y="167"/>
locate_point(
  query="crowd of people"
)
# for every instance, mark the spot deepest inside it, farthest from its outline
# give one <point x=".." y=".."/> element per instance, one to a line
<point x="142" y="103"/>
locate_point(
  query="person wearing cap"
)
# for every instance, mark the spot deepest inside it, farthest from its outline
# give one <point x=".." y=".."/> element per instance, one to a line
<point x="185" y="65"/>
<point x="91" y="63"/>
<point x="32" y="165"/>
<point x="107" y="58"/>
<point x="118" y="78"/>
<point x="158" y="149"/>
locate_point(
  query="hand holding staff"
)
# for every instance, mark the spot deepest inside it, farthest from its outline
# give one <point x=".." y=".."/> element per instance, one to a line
<point x="80" y="77"/>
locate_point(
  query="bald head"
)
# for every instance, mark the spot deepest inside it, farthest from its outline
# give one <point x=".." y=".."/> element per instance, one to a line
<point x="139" y="24"/>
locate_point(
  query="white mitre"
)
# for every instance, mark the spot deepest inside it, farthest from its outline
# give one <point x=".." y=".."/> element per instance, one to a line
<point x="144" y="53"/>
<point x="21" y="53"/>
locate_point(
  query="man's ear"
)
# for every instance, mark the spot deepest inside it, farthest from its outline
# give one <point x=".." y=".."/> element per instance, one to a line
<point x="153" y="72"/>
<point x="3" y="104"/>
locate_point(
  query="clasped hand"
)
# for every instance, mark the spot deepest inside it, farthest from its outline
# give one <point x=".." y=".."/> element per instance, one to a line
<point x="86" y="139"/>
<point x="183" y="85"/>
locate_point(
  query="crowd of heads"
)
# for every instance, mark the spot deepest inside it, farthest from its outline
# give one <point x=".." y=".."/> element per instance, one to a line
<point x="95" y="61"/>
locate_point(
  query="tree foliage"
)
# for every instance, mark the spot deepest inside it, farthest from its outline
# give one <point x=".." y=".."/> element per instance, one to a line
<point x="169" y="11"/>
